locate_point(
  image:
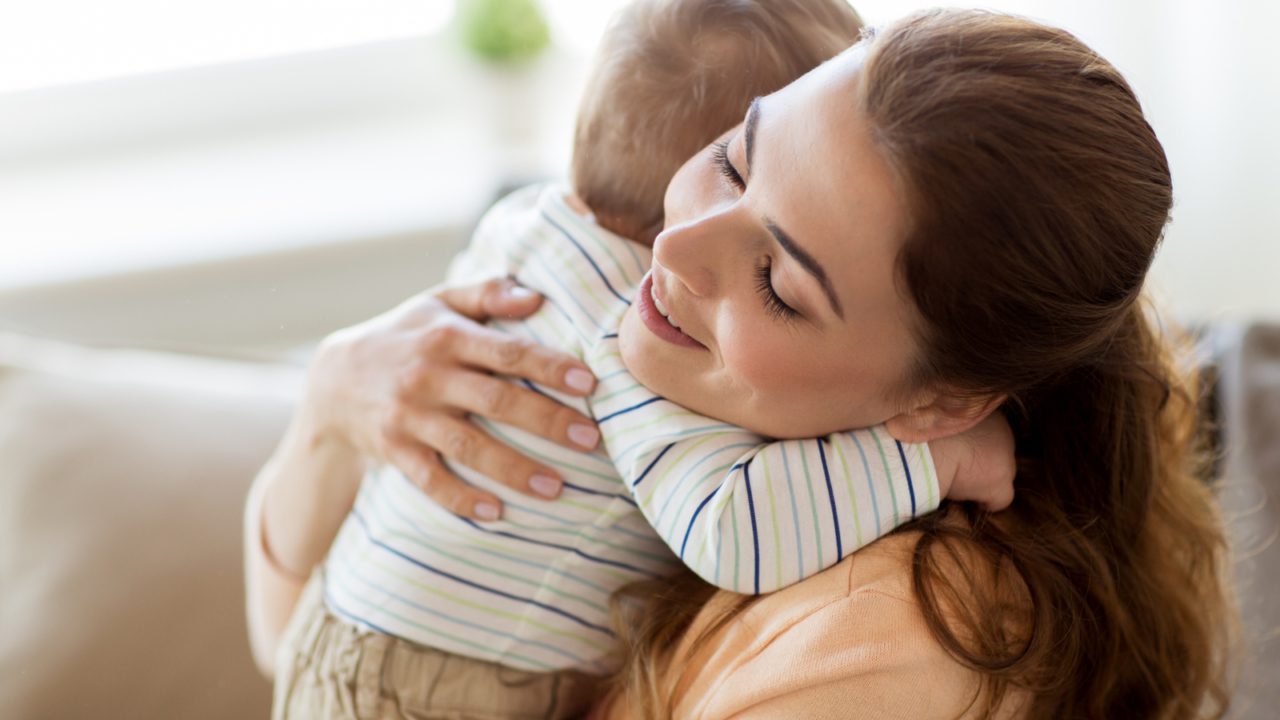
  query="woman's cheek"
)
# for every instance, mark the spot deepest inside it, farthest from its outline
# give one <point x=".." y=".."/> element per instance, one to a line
<point x="763" y="362"/>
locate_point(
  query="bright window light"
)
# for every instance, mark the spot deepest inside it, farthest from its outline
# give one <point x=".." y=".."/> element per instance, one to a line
<point x="57" y="42"/>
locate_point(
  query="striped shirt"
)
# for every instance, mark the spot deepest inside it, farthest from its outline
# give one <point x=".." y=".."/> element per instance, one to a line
<point x="668" y="486"/>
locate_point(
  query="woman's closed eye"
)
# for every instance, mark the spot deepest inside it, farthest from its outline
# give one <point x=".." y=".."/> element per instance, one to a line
<point x="773" y="304"/>
<point x="720" y="155"/>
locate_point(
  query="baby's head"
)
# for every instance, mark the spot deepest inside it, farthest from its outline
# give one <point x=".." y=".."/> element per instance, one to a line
<point x="673" y="75"/>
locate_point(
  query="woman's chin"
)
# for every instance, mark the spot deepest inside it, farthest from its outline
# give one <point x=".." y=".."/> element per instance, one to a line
<point x="644" y="355"/>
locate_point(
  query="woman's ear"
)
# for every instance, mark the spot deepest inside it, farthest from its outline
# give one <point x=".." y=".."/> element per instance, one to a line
<point x="942" y="416"/>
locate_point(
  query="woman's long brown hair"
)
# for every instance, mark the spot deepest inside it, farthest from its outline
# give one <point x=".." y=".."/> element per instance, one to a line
<point x="1038" y="195"/>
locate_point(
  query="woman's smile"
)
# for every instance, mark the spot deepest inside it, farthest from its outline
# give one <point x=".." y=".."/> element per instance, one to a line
<point x="657" y="316"/>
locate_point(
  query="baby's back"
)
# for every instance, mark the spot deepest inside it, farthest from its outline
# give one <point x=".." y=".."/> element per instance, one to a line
<point x="531" y="590"/>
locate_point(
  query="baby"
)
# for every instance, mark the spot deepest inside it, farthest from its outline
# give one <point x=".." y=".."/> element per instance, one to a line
<point x="523" y="600"/>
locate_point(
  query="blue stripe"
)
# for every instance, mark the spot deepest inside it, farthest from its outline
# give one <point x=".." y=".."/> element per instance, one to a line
<point x="694" y="519"/>
<point x="603" y="561"/>
<point x="333" y="605"/>
<point x="476" y="585"/>
<point x="586" y="255"/>
<point x="831" y="495"/>
<point x="655" y="462"/>
<point x="660" y="436"/>
<point x="612" y="375"/>
<point x="755" y="536"/>
<point x="866" y="469"/>
<point x="648" y="536"/>
<point x="550" y="300"/>
<point x="609" y="336"/>
<point x="535" y="388"/>
<point x="589" y="491"/>
<point x="795" y="509"/>
<point x="393" y="509"/>
<point x="624" y="411"/>
<point x="350" y="570"/>
<point x="911" y="488"/>
<point x="679" y="492"/>
<point x="554" y="278"/>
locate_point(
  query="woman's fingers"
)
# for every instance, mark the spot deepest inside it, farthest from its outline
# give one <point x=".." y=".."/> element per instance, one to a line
<point x="506" y="402"/>
<point x="463" y="443"/>
<point x="505" y="354"/>
<point x="499" y="297"/>
<point x="423" y="466"/>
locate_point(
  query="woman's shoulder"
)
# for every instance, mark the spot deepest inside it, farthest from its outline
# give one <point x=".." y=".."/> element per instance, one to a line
<point x="878" y="575"/>
<point x="855" y="630"/>
<point x="881" y="569"/>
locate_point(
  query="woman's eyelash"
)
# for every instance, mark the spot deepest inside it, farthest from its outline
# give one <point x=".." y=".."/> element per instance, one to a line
<point x="772" y="303"/>
<point x="720" y="155"/>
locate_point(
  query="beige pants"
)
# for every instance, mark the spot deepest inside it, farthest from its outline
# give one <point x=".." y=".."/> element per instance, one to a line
<point x="326" y="668"/>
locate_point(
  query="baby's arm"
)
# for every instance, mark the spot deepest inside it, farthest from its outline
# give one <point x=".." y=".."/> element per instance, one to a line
<point x="753" y="516"/>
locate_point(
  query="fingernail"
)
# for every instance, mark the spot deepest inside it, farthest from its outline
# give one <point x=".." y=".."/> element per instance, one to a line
<point x="584" y="435"/>
<point x="579" y="380"/>
<point x="487" y="511"/>
<point x="546" y="486"/>
<point x="517" y="292"/>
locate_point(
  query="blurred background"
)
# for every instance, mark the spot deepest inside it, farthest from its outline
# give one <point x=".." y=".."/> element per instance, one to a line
<point x="146" y="135"/>
<point x="192" y="192"/>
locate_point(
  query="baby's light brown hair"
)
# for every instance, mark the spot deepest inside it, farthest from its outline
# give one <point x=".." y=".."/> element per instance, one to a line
<point x="673" y="75"/>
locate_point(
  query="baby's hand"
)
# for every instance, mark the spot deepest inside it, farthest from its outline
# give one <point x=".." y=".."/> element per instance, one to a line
<point x="977" y="464"/>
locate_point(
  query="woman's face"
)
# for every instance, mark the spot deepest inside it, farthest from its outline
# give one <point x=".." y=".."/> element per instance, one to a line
<point x="777" y="263"/>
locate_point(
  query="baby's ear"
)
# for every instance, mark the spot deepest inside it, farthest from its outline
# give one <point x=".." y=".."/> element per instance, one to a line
<point x="942" y="416"/>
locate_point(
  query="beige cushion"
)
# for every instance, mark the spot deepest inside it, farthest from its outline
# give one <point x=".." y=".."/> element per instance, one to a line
<point x="122" y="478"/>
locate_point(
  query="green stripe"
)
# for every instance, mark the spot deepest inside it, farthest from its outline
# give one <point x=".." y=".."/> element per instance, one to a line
<point x="517" y="618"/>
<point x="813" y="503"/>
<point x="592" y="233"/>
<point x="773" y="510"/>
<point x="737" y="549"/>
<point x="705" y="545"/>
<point x="474" y="538"/>
<point x="615" y="393"/>
<point x="928" y="475"/>
<point x="524" y="449"/>
<point x="853" y="498"/>
<point x="663" y="474"/>
<point x="568" y="264"/>
<point x="619" y="431"/>
<point x="888" y="474"/>
<point x="481" y="650"/>
<point x="628" y="549"/>
<point x="698" y="485"/>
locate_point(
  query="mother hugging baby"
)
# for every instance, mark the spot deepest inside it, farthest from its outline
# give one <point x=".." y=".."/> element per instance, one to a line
<point x="878" y="266"/>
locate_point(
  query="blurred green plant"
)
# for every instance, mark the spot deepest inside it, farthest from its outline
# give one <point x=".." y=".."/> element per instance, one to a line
<point x="503" y="30"/>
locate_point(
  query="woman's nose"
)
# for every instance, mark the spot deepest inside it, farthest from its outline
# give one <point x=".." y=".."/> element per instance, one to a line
<point x="689" y="251"/>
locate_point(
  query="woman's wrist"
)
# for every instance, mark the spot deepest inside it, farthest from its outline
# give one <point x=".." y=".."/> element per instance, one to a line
<point x="309" y="487"/>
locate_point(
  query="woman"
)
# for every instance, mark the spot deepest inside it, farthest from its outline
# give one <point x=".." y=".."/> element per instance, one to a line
<point x="1024" y="195"/>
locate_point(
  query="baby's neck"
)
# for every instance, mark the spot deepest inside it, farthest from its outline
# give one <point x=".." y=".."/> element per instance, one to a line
<point x="576" y="204"/>
<point x="616" y="224"/>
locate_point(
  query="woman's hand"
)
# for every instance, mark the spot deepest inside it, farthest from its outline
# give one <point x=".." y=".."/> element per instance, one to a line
<point x="392" y="389"/>
<point x="398" y="389"/>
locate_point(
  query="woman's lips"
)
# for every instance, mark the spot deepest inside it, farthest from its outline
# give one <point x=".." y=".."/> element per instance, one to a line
<point x="654" y="320"/>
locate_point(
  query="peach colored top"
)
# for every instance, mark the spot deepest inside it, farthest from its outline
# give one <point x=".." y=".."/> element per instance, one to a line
<point x="848" y="643"/>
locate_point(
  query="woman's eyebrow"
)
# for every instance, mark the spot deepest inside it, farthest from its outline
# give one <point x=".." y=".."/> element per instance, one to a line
<point x="808" y="262"/>
<point x="749" y="130"/>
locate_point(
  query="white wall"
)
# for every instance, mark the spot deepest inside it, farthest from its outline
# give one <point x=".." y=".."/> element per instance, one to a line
<point x="105" y="183"/>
